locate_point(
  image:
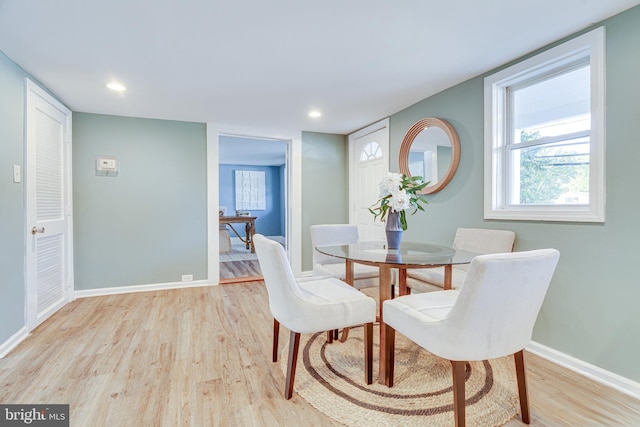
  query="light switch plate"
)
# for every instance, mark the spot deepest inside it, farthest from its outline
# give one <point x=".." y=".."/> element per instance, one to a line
<point x="17" y="174"/>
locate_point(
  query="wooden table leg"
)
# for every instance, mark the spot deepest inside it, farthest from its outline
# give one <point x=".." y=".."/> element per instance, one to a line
<point x="252" y="231"/>
<point x="402" y="281"/>
<point x="447" y="277"/>
<point x="348" y="268"/>
<point x="348" y="272"/>
<point x="385" y="294"/>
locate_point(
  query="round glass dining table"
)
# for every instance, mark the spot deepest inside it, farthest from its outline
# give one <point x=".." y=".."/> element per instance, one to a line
<point x="409" y="255"/>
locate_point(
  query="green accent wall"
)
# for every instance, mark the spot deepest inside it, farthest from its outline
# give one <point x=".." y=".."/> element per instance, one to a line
<point x="591" y="308"/>
<point x="325" y="191"/>
<point x="11" y="199"/>
<point x="148" y="224"/>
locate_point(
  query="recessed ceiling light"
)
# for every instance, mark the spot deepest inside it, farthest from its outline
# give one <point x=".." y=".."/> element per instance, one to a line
<point x="315" y="113"/>
<point x="117" y="87"/>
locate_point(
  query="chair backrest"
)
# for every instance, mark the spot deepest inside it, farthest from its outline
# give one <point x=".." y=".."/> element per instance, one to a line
<point x="331" y="234"/>
<point x="282" y="288"/>
<point x="484" y="241"/>
<point x="497" y="307"/>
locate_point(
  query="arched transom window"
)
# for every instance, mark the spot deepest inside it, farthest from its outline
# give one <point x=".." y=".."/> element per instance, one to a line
<point x="371" y="151"/>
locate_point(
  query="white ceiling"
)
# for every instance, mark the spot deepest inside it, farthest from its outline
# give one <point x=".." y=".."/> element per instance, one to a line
<point x="234" y="150"/>
<point x="267" y="63"/>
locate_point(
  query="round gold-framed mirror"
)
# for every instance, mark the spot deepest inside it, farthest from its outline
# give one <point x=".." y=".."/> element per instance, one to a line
<point x="431" y="149"/>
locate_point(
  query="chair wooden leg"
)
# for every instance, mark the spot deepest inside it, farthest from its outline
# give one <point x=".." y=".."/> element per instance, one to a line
<point x="332" y="335"/>
<point x="294" y="342"/>
<point x="368" y="353"/>
<point x="389" y="349"/>
<point x="458" y="368"/>
<point x="276" y="334"/>
<point x="522" y="386"/>
<point x="345" y="334"/>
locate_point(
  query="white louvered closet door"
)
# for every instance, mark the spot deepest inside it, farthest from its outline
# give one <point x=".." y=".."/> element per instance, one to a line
<point x="48" y="205"/>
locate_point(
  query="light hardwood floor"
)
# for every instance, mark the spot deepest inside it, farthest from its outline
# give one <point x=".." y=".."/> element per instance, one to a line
<point x="202" y="357"/>
<point x="236" y="269"/>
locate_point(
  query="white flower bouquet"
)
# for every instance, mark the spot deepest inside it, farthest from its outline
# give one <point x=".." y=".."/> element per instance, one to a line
<point x="398" y="193"/>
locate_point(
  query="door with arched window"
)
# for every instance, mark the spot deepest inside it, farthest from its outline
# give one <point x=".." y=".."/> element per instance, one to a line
<point x="369" y="162"/>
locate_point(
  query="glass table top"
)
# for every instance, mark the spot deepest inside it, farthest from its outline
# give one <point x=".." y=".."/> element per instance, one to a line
<point x="409" y="253"/>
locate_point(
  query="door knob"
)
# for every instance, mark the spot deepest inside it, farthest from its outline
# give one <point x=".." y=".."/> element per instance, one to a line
<point x="35" y="230"/>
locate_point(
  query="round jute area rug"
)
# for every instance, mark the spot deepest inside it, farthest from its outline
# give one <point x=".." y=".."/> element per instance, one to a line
<point x="331" y="378"/>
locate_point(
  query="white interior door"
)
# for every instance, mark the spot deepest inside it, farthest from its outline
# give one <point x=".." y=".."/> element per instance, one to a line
<point x="49" y="272"/>
<point x="369" y="162"/>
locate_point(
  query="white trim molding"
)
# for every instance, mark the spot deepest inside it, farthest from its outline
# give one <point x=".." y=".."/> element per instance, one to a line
<point x="140" y="288"/>
<point x="293" y="233"/>
<point x="13" y="341"/>
<point x="588" y="370"/>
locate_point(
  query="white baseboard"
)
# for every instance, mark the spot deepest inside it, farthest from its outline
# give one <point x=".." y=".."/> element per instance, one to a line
<point x="13" y="341"/>
<point x="593" y="372"/>
<point x="141" y="288"/>
<point x="588" y="370"/>
<point x="581" y="367"/>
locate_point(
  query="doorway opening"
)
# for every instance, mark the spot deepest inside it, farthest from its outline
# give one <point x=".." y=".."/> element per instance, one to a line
<point x="252" y="192"/>
<point x="292" y="194"/>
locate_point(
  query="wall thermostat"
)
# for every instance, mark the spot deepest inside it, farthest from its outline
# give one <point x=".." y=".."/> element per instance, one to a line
<point x="107" y="166"/>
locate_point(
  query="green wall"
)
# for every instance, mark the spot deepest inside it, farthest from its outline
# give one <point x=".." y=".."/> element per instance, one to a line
<point x="324" y="185"/>
<point x="591" y="309"/>
<point x="11" y="199"/>
<point x="148" y="224"/>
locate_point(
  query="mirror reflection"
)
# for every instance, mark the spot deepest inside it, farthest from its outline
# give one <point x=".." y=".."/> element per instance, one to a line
<point x="430" y="155"/>
<point x="430" y="149"/>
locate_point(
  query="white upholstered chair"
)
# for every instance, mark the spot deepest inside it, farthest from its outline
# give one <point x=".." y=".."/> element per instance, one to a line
<point x="491" y="316"/>
<point x="310" y="306"/>
<point x="480" y="240"/>
<point x="324" y="265"/>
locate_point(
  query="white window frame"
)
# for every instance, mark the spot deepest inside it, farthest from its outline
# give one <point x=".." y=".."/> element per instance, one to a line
<point x="496" y="116"/>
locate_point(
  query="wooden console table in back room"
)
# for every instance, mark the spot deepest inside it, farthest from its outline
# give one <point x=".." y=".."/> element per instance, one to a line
<point x="249" y="228"/>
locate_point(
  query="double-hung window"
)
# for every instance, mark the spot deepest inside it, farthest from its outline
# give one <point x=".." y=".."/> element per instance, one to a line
<point x="545" y="135"/>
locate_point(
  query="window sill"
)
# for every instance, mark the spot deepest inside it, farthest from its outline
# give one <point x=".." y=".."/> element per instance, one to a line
<point x="578" y="214"/>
